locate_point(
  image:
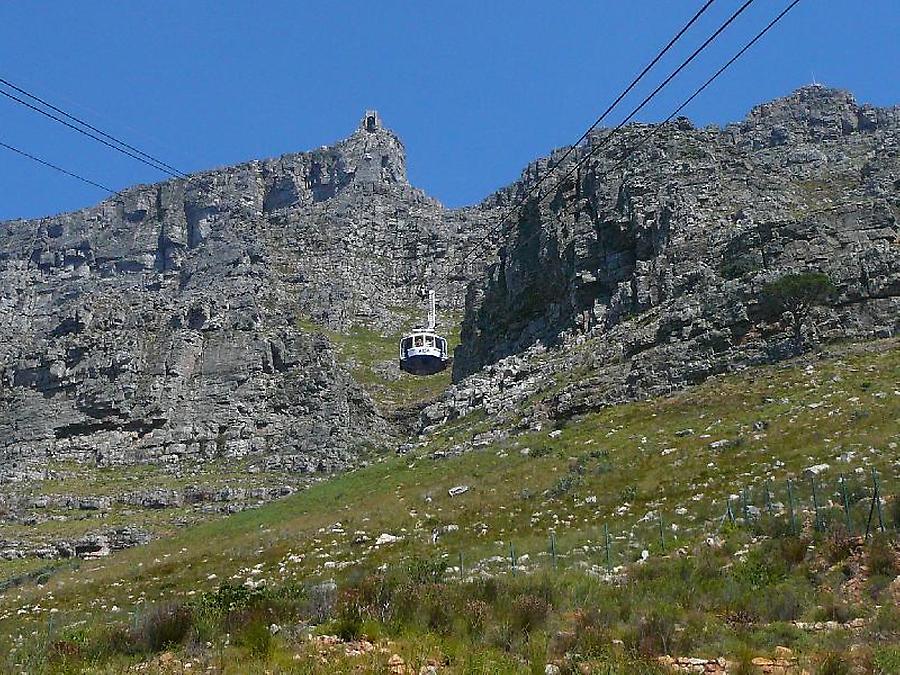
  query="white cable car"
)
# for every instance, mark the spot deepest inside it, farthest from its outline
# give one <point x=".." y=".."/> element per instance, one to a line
<point x="423" y="351"/>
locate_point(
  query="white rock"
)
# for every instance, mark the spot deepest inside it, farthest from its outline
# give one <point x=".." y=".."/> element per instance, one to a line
<point x="386" y="538"/>
<point x="816" y="469"/>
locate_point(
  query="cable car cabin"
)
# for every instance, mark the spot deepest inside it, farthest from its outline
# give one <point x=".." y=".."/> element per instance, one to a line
<point x="423" y="352"/>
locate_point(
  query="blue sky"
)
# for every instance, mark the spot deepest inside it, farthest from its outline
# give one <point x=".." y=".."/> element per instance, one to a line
<point x="476" y="89"/>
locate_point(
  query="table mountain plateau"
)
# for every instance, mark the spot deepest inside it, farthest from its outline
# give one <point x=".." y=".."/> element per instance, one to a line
<point x="200" y="320"/>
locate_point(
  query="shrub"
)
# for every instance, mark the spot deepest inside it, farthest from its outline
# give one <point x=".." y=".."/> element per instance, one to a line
<point x="256" y="637"/>
<point x="529" y="612"/>
<point x="435" y="608"/>
<point x="628" y="494"/>
<point x="476" y="616"/>
<point x="564" y="485"/>
<point x="833" y="609"/>
<point x="887" y="620"/>
<point x="757" y="572"/>
<point x="893" y="510"/>
<point x="501" y="635"/>
<point x="880" y="557"/>
<point x="603" y="616"/>
<point x="792" y="550"/>
<point x="796" y="294"/>
<point x="320" y="602"/>
<point x="163" y="626"/>
<point x="838" y="545"/>
<point x="833" y="664"/>
<point x="744" y="664"/>
<point x="227" y="597"/>
<point x="540" y="451"/>
<point x="878" y="584"/>
<point x="423" y="571"/>
<point x="655" y="631"/>
<point x="785" y="603"/>
<point x="591" y="642"/>
<point x="486" y="589"/>
<point x="348" y="615"/>
<point x="886" y="660"/>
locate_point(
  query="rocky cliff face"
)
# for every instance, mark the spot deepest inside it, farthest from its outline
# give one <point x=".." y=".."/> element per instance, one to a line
<point x="196" y="321"/>
<point x="167" y="324"/>
<point x="648" y="273"/>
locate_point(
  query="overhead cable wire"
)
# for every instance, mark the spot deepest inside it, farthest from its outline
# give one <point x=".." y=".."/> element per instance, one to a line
<point x="612" y="105"/>
<point x="656" y="128"/>
<point x="58" y="168"/>
<point x="606" y="139"/>
<point x="87" y="125"/>
<point x="90" y="134"/>
<point x="622" y="161"/>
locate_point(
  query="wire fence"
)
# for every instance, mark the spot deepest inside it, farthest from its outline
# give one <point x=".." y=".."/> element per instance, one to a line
<point x="855" y="505"/>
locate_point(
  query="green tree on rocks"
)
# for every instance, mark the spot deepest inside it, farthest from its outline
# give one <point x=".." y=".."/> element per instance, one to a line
<point x="796" y="295"/>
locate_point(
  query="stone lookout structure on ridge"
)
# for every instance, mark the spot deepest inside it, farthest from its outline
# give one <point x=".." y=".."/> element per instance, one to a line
<point x="381" y="156"/>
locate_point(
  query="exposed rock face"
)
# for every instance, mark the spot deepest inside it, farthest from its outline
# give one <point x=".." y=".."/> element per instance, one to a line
<point x="172" y="323"/>
<point x="654" y="266"/>
<point x="166" y="325"/>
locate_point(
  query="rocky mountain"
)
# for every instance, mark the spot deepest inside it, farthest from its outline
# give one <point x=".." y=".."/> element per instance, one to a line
<point x="173" y="322"/>
<point x="207" y="320"/>
<point x="643" y="272"/>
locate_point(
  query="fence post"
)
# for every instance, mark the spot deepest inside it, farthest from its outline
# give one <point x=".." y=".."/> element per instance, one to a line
<point x="792" y="515"/>
<point x="512" y="557"/>
<point x="878" y="499"/>
<point x="745" y="508"/>
<point x="553" y="548"/>
<point x="662" y="536"/>
<point x="728" y="512"/>
<point x="768" y="498"/>
<point x="876" y="504"/>
<point x="461" y="565"/>
<point x="812" y="479"/>
<point x="846" y="505"/>
<point x="606" y="542"/>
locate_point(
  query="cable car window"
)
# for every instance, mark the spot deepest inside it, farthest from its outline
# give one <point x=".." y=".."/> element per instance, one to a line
<point x="418" y="340"/>
<point x="429" y="340"/>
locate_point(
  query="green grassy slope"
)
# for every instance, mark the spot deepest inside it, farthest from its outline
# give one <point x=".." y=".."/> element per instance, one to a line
<point x="621" y="467"/>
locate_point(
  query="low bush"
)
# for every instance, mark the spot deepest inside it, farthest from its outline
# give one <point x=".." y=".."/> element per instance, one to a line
<point x="477" y="613"/>
<point x="877" y="585"/>
<point x="893" y="510"/>
<point x="887" y="621"/>
<point x="837" y="545"/>
<point x="655" y="630"/>
<point x="785" y="603"/>
<point x="348" y="618"/>
<point x="833" y="663"/>
<point x="886" y="660"/>
<point x="529" y="612"/>
<point x="792" y="550"/>
<point x="256" y="637"/>
<point x="162" y="626"/>
<point x="880" y="557"/>
<point x="833" y="609"/>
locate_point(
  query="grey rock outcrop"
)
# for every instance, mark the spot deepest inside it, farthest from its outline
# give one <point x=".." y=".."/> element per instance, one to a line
<point x="648" y="270"/>
<point x="189" y="321"/>
<point x="178" y="322"/>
